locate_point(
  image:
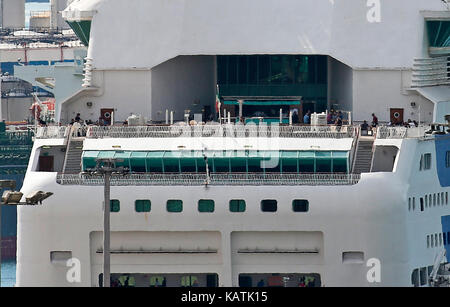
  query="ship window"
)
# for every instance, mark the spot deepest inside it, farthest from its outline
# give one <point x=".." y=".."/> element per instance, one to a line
<point x="142" y="205"/>
<point x="428" y="241"/>
<point x="414" y="203"/>
<point x="436" y="239"/>
<point x="434" y="200"/>
<point x="444" y="237"/>
<point x="447" y="159"/>
<point x="432" y="240"/>
<point x="409" y="203"/>
<point x="114" y="205"/>
<point x="189" y="281"/>
<point x="415" y="278"/>
<point x="440" y="239"/>
<point x="269" y="205"/>
<point x="427" y="161"/>
<point x="174" y="205"/>
<point x="438" y="33"/>
<point x="237" y="205"/>
<point x="300" y="205"/>
<point x="423" y="276"/>
<point x="206" y="205"/>
<point x="421" y="204"/>
<point x="352" y="257"/>
<point x="446" y="198"/>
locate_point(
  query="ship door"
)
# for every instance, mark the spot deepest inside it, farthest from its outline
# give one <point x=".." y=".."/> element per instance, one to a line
<point x="46" y="164"/>
<point x="106" y="115"/>
<point x="397" y="116"/>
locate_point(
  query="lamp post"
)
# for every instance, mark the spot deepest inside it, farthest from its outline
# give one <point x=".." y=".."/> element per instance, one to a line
<point x="13" y="198"/>
<point x="106" y="167"/>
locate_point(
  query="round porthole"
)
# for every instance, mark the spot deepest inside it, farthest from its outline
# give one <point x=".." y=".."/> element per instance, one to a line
<point x="106" y="115"/>
<point x="396" y="115"/>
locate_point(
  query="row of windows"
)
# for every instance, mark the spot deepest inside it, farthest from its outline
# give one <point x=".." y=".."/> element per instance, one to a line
<point x="428" y="201"/>
<point x="225" y="161"/>
<point x="438" y="239"/>
<point x="208" y="205"/>
<point x="271" y="69"/>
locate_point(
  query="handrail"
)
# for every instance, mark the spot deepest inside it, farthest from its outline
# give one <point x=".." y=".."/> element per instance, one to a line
<point x="227" y="130"/>
<point x="431" y="72"/>
<point x="198" y="179"/>
<point x="52" y="132"/>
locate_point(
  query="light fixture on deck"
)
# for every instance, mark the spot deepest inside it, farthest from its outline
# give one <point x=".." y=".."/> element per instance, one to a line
<point x="106" y="168"/>
<point x="13" y="198"/>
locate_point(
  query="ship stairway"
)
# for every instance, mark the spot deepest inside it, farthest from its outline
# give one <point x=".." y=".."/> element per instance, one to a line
<point x="363" y="155"/>
<point x="440" y="275"/>
<point x="72" y="161"/>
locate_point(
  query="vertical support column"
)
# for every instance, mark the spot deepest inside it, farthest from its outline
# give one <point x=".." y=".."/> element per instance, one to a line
<point x="106" y="233"/>
<point x="226" y="279"/>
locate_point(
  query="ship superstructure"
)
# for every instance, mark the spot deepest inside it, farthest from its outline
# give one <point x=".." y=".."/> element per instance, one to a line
<point x="239" y="173"/>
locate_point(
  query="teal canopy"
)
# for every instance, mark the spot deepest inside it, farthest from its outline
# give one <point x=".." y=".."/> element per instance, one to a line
<point x="288" y="161"/>
<point x="264" y="102"/>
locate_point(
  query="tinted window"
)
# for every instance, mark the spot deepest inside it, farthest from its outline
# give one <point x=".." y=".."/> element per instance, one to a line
<point x="300" y="205"/>
<point x="114" y="205"/>
<point x="206" y="205"/>
<point x="237" y="205"/>
<point x="174" y="205"/>
<point x="142" y="205"/>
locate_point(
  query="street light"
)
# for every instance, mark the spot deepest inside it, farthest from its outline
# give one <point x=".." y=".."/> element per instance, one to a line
<point x="12" y="198"/>
<point x="106" y="167"/>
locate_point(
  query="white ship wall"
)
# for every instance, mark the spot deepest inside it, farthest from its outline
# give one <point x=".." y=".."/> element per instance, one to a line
<point x="340" y="219"/>
<point x="337" y="28"/>
<point x="376" y="91"/>
<point x="13" y="14"/>
<point x="183" y="83"/>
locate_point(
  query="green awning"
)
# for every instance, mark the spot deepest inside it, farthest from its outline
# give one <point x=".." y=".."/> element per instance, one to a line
<point x="106" y="154"/>
<point x="340" y="155"/>
<point x="323" y="154"/>
<point x="289" y="155"/>
<point x="306" y="155"/>
<point x="82" y="29"/>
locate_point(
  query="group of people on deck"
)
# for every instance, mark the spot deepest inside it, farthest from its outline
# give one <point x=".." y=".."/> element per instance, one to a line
<point x="333" y="118"/>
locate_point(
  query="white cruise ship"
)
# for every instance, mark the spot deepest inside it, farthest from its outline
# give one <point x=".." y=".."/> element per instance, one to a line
<point x="240" y="173"/>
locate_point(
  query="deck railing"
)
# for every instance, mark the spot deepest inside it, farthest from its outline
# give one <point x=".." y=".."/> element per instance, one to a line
<point x="237" y="179"/>
<point x="431" y="72"/>
<point x="220" y="131"/>
<point x="386" y="132"/>
<point x="52" y="132"/>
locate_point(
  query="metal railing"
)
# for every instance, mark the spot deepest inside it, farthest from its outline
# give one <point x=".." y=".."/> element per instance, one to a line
<point x="195" y="179"/>
<point x="227" y="130"/>
<point x="431" y="72"/>
<point x="386" y="132"/>
<point x="17" y="137"/>
<point x="52" y="132"/>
